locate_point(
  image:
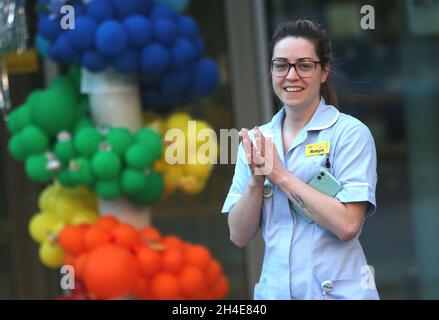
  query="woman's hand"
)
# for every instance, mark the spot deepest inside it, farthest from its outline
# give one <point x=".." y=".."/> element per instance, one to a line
<point x="267" y="158"/>
<point x="250" y="154"/>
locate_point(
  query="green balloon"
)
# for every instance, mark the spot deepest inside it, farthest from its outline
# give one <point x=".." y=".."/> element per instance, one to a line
<point x="55" y="110"/>
<point x="34" y="97"/>
<point x="15" y="148"/>
<point x="65" y="151"/>
<point x="36" y="168"/>
<point x="133" y="182"/>
<point x="65" y="179"/>
<point x="106" y="165"/>
<point x="120" y="139"/>
<point x="84" y="122"/>
<point x="152" y="139"/>
<point x="66" y="87"/>
<point x="138" y="157"/>
<point x="74" y="75"/>
<point x="153" y="190"/>
<point x="87" y="141"/>
<point x="83" y="106"/>
<point x="81" y="172"/>
<point x="108" y="189"/>
<point x="33" y="140"/>
<point x="19" y="118"/>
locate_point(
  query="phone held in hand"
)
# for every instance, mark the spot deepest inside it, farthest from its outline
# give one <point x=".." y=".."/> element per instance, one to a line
<point x="324" y="182"/>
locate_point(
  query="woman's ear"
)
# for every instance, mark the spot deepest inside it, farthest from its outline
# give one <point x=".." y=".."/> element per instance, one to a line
<point x="325" y="73"/>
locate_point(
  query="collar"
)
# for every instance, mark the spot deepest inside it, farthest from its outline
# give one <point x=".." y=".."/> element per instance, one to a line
<point x="323" y="117"/>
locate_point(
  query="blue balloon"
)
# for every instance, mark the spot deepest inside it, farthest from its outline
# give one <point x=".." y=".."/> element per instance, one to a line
<point x="178" y="5"/>
<point x="139" y="31"/>
<point x="49" y="28"/>
<point x="187" y="27"/>
<point x="165" y="31"/>
<point x="101" y="10"/>
<point x="42" y="45"/>
<point x="94" y="61"/>
<point x="111" y="38"/>
<point x="82" y="36"/>
<point x="162" y="11"/>
<point x="62" y="51"/>
<point x="127" y="62"/>
<point x="176" y="82"/>
<point x="199" y="48"/>
<point x="126" y="8"/>
<point x="150" y="98"/>
<point x="182" y="54"/>
<point x="205" y="77"/>
<point x="154" y="59"/>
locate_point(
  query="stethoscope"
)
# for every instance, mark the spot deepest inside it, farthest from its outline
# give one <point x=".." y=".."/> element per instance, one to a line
<point x="267" y="190"/>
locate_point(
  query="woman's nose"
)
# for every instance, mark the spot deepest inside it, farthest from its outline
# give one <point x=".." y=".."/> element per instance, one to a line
<point x="292" y="74"/>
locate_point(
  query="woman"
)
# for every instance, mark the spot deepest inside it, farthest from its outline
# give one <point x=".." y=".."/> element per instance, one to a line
<point x="315" y="254"/>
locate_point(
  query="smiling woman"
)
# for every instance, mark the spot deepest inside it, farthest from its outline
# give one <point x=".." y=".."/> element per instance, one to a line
<point x="311" y="235"/>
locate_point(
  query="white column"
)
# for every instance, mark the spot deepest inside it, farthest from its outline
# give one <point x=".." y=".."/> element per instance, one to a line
<point x="115" y="101"/>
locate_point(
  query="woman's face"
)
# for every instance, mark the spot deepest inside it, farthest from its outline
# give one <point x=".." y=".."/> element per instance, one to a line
<point x="295" y="91"/>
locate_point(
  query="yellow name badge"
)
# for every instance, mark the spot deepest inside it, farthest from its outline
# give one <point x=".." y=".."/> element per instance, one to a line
<point x="316" y="149"/>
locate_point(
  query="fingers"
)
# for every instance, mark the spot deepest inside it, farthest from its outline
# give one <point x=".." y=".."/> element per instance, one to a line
<point x="248" y="147"/>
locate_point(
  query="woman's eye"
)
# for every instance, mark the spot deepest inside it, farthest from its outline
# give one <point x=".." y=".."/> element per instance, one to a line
<point x="280" y="66"/>
<point x="305" y="66"/>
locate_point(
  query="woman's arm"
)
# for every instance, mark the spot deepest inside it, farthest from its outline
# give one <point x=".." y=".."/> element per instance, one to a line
<point x="245" y="216"/>
<point x="342" y="219"/>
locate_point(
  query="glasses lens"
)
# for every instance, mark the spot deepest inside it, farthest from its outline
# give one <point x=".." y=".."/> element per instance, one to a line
<point x="306" y="68"/>
<point x="279" y="68"/>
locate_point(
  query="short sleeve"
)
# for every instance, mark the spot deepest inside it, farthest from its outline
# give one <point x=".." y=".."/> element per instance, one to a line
<point x="354" y="166"/>
<point x="239" y="182"/>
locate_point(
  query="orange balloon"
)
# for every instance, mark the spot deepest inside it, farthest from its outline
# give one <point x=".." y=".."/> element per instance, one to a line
<point x="213" y="272"/>
<point x="149" y="261"/>
<point x="69" y="260"/>
<point x="142" y="289"/>
<point x="173" y="242"/>
<point x="71" y="239"/>
<point x="172" y="260"/>
<point x="79" y="265"/>
<point x="221" y="288"/>
<point x="197" y="256"/>
<point x="110" y="272"/>
<point x="107" y="223"/>
<point x="149" y="234"/>
<point x="95" y="237"/>
<point x="125" y="235"/>
<point x="192" y="282"/>
<point x="165" y="286"/>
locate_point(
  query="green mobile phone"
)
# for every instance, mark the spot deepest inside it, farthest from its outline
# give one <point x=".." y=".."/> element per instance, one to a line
<point x="324" y="182"/>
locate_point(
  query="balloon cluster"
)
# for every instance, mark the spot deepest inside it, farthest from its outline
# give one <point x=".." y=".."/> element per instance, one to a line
<point x="57" y="140"/>
<point x="189" y="177"/>
<point x="60" y="207"/>
<point x="145" y="37"/>
<point x="114" y="260"/>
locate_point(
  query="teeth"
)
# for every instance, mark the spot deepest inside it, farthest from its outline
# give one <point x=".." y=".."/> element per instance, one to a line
<point x="293" y="89"/>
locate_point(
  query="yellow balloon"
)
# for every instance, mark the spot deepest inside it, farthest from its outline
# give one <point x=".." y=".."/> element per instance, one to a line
<point x="178" y="120"/>
<point x="192" y="185"/>
<point x="64" y="209"/>
<point x="84" y="216"/>
<point x="51" y="255"/>
<point x="198" y="170"/>
<point x="46" y="198"/>
<point x="172" y="179"/>
<point x="42" y="224"/>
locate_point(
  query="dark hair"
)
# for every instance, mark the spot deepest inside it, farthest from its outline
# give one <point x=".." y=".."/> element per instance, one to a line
<point x="315" y="33"/>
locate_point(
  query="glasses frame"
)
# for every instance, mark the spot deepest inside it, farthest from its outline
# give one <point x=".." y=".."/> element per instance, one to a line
<point x="294" y="66"/>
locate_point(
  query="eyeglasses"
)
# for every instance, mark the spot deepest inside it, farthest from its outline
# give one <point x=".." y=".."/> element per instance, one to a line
<point x="305" y="69"/>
